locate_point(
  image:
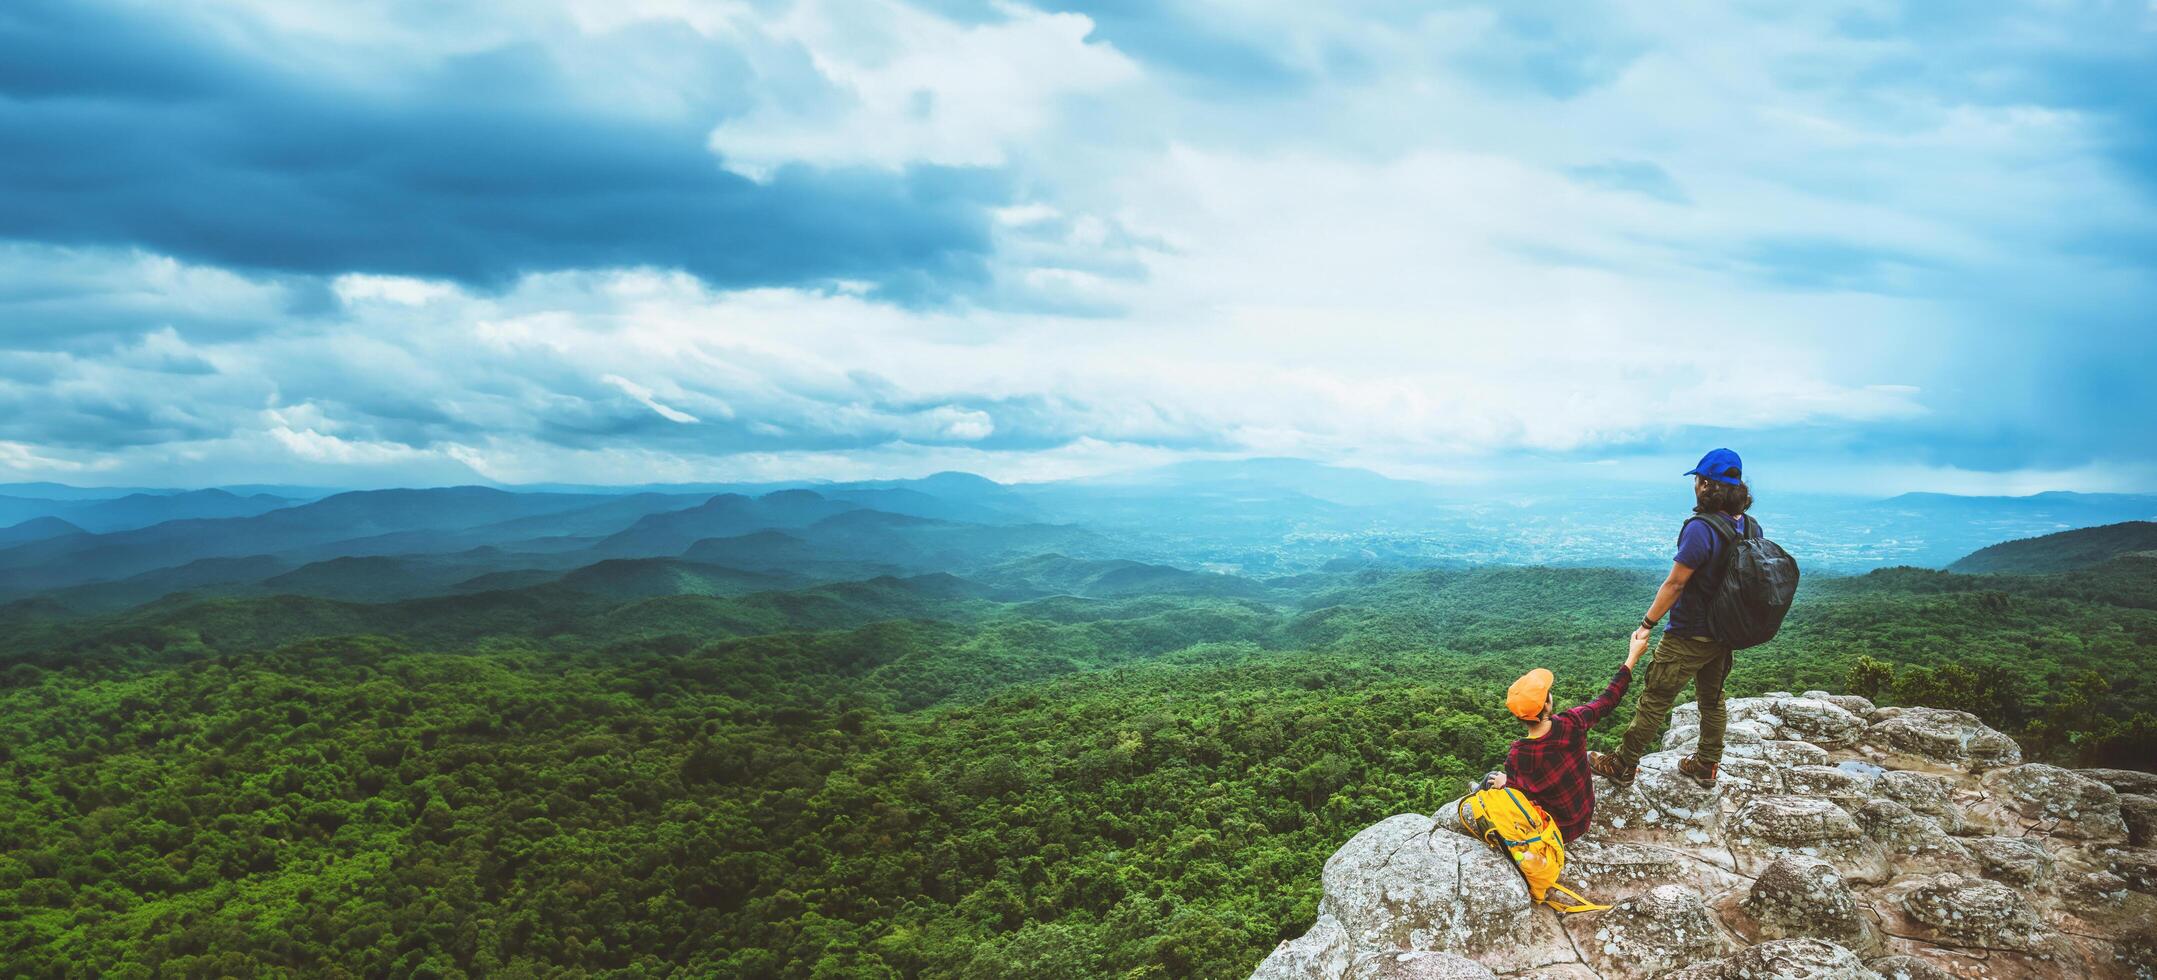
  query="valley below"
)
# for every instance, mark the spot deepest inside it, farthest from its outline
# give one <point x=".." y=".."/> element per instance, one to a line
<point x="933" y="728"/>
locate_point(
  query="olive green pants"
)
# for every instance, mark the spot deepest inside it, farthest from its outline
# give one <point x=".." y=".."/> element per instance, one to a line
<point x="1677" y="661"/>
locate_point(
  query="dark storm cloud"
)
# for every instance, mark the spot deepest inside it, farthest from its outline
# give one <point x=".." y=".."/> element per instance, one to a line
<point x="123" y="128"/>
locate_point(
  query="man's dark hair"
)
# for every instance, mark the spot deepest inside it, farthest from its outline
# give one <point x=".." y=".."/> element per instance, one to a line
<point x="1713" y="496"/>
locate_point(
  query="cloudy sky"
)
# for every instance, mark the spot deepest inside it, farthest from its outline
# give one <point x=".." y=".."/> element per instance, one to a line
<point x="1876" y="246"/>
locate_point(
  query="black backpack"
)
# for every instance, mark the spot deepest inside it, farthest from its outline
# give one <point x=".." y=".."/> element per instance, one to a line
<point x="1751" y="592"/>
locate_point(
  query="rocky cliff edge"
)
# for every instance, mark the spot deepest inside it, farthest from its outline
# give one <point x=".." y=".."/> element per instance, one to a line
<point x="1844" y="840"/>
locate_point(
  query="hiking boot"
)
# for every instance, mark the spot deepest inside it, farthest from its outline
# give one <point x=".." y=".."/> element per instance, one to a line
<point x="1607" y="767"/>
<point x="1703" y="773"/>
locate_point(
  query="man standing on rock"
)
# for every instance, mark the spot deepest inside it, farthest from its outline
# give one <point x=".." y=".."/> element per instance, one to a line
<point x="1688" y="653"/>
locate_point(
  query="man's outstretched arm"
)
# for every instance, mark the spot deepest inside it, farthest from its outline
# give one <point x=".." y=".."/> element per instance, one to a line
<point x="1665" y="597"/>
<point x="1588" y="714"/>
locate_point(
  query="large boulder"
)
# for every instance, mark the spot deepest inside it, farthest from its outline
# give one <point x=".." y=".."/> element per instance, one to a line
<point x="1844" y="786"/>
<point x="2135" y="865"/>
<point x="1781" y="959"/>
<point x="1800" y="896"/>
<point x="1745" y="775"/>
<point x="1642" y="936"/>
<point x="1903" y="966"/>
<point x="1685" y="737"/>
<point x="2018" y="861"/>
<point x="1817" y="720"/>
<point x="1404" y="884"/>
<point x="1320" y="954"/>
<point x="1851" y="703"/>
<point x="1419" y="965"/>
<point x="1976" y="912"/>
<point x="1609" y="870"/>
<point x="2124" y="780"/>
<point x="1907" y="833"/>
<point x="1811" y="719"/>
<point x="1950" y="738"/>
<point x="1781" y="752"/>
<point x="1766" y="827"/>
<point x="1923" y="792"/>
<point x="1790" y="821"/>
<point x="2139" y="813"/>
<point x="2068" y="803"/>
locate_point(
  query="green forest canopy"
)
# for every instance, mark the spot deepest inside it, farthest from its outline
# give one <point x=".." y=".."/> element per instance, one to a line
<point x="901" y="777"/>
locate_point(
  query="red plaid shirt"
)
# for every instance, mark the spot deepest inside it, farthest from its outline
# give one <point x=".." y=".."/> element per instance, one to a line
<point x="1553" y="770"/>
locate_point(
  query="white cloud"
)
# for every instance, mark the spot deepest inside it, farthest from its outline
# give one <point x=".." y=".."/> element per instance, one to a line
<point x="1396" y="264"/>
<point x="906" y="86"/>
<point x="643" y="394"/>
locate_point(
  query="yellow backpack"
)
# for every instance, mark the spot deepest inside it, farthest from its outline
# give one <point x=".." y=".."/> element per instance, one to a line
<point x="1521" y="830"/>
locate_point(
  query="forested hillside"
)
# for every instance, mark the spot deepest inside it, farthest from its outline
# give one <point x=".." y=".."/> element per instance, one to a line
<point x="2064" y="551"/>
<point x="1058" y="767"/>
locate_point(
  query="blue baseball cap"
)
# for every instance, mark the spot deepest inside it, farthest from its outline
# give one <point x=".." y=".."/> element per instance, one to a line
<point x="1720" y="465"/>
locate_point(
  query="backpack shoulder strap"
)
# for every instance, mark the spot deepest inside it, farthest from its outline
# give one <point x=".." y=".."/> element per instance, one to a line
<point x="1583" y="906"/>
<point x="1723" y="528"/>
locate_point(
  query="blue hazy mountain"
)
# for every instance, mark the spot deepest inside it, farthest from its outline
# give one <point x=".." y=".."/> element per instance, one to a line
<point x="2062" y="552"/>
<point x="37" y="529"/>
<point x="726" y="515"/>
<point x="101" y="514"/>
<point x="1254" y="518"/>
<point x="84" y="558"/>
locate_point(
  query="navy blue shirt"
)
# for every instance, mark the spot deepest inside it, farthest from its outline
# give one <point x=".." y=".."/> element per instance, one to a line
<point x="1700" y="549"/>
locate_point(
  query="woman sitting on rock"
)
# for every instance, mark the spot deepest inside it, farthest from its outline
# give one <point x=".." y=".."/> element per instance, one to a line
<point x="1551" y="762"/>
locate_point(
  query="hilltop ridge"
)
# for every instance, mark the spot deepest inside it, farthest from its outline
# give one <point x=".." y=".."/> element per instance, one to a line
<point x="2064" y="551"/>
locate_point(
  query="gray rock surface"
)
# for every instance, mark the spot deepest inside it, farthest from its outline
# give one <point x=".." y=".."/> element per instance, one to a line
<point x="2071" y="804"/>
<point x="1923" y="792"/>
<point x="1906" y="833"/>
<point x="1843" y="840"/>
<point x="2124" y="780"/>
<point x="1903" y="966"/>
<point x="2135" y="865"/>
<point x="1666" y="928"/>
<point x="1320" y="954"/>
<point x="1418" y="966"/>
<point x="1795" y="959"/>
<point x="1953" y="738"/>
<point x="2019" y="861"/>
<point x="1407" y="884"/>
<point x="1977" y="912"/>
<point x="2139" y="813"/>
<point x="1805" y="897"/>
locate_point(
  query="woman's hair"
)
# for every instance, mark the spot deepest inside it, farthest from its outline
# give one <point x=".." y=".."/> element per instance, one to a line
<point x="1715" y="496"/>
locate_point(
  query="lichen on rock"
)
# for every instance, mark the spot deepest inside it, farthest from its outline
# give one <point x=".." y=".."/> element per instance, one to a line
<point x="2072" y="804"/>
<point x="1805" y="897"/>
<point x="1667" y="927"/>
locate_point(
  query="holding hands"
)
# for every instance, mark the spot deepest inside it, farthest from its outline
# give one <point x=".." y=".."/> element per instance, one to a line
<point x="1638" y="645"/>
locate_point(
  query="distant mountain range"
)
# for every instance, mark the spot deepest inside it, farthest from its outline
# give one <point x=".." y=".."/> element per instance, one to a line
<point x="1170" y="530"/>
